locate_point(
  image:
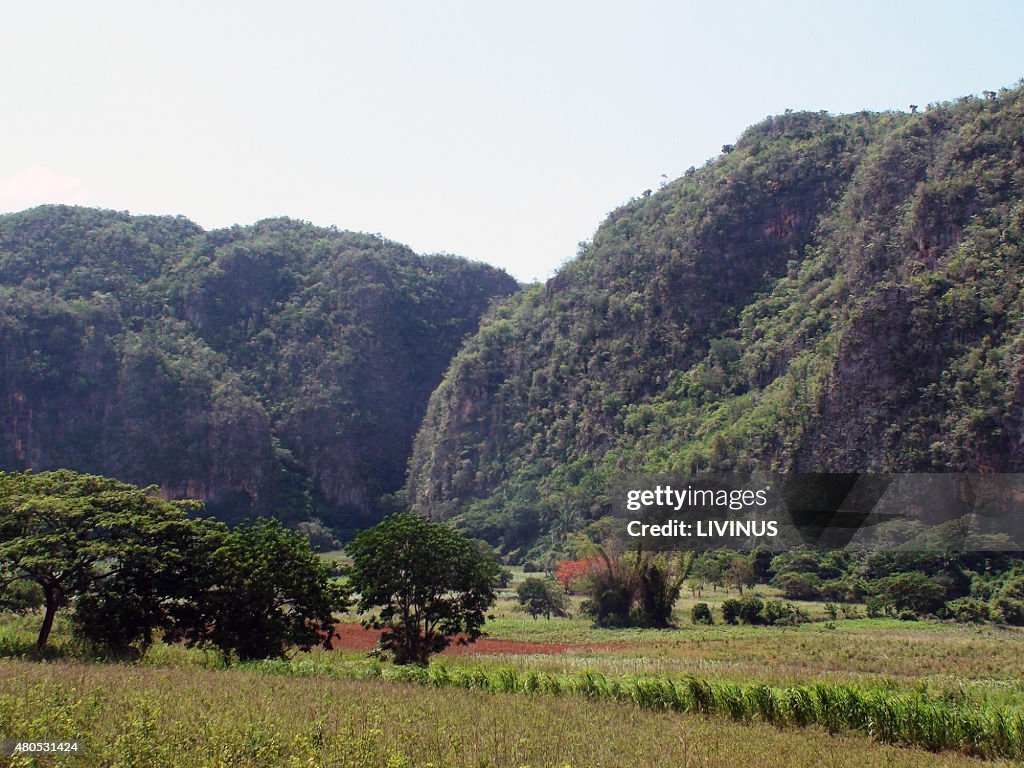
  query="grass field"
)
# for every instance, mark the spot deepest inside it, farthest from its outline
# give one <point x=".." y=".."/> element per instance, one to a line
<point x="178" y="707"/>
<point x="155" y="716"/>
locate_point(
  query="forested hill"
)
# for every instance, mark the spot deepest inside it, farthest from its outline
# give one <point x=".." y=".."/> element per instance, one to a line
<point x="830" y="293"/>
<point x="279" y="368"/>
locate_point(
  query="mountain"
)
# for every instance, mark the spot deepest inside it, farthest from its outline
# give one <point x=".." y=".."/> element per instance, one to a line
<point x="277" y="369"/>
<point x="830" y="293"/>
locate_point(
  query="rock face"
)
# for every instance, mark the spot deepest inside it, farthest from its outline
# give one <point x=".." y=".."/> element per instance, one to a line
<point x="274" y="369"/>
<point x="831" y="293"/>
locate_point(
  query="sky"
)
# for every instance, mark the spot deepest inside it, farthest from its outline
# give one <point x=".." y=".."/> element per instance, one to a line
<point x="500" y="131"/>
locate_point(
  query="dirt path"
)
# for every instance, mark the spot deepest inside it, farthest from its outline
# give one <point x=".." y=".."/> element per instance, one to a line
<point x="357" y="638"/>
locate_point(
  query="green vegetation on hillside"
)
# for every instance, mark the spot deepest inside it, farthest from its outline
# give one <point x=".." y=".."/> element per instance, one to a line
<point x="831" y="294"/>
<point x="276" y="369"/>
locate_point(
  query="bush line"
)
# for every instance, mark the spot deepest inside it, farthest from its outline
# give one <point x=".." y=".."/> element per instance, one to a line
<point x="905" y="719"/>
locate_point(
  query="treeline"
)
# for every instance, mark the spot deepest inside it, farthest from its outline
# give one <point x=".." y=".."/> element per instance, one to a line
<point x="132" y="568"/>
<point x="634" y="588"/>
<point x="963" y="586"/>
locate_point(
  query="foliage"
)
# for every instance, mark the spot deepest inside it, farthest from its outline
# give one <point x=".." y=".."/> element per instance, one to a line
<point x="967" y="610"/>
<point x="798" y="586"/>
<point x="152" y="592"/>
<point x="701" y="614"/>
<point x="1008" y="602"/>
<point x="261" y="592"/>
<point x="740" y="572"/>
<point x="320" y="537"/>
<point x="777" y="613"/>
<point x="860" y="269"/>
<point x="134" y="567"/>
<point x="72" y="534"/>
<point x="731" y="611"/>
<point x="277" y="369"/>
<point x="542" y="597"/>
<point x="913" y="592"/>
<point x="875" y="607"/>
<point x="21" y="596"/>
<point x="428" y="584"/>
<point x="751" y="610"/>
<point x="569" y="572"/>
<point x="634" y="589"/>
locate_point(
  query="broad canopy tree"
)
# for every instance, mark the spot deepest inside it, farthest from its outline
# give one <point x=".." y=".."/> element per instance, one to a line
<point x="69" y="533"/>
<point x="261" y="591"/>
<point x="424" y="584"/>
<point x="542" y="597"/>
<point x="132" y="566"/>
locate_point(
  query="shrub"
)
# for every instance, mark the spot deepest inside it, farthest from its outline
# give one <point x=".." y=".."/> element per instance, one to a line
<point x="751" y="610"/>
<point x="875" y="607"/>
<point x="798" y="586"/>
<point x="21" y="596"/>
<point x="913" y="592"/>
<point x="731" y="611"/>
<point x="633" y="590"/>
<point x="701" y="614"/>
<point x="504" y="577"/>
<point x="1008" y="610"/>
<point x="657" y="590"/>
<point x="778" y="613"/>
<point x="968" y="610"/>
<point x="1008" y="604"/>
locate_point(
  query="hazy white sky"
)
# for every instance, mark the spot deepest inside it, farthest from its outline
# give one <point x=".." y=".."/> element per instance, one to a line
<point x="503" y="132"/>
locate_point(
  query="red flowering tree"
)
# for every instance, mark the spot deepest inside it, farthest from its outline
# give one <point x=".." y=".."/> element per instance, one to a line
<point x="567" y="572"/>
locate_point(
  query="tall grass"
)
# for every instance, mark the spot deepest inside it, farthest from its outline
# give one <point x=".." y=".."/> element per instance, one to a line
<point x="137" y="716"/>
<point x="891" y="717"/>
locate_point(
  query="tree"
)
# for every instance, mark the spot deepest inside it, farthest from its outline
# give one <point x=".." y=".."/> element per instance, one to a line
<point x="542" y="597"/>
<point x="154" y="589"/>
<point x="69" y="533"/>
<point x="798" y="586"/>
<point x="132" y="565"/>
<point x="263" y="590"/>
<point x="634" y="589"/>
<point x="427" y="583"/>
<point x="708" y="569"/>
<point x="913" y="592"/>
<point x="568" y="572"/>
<point x="761" y="560"/>
<point x="740" y="573"/>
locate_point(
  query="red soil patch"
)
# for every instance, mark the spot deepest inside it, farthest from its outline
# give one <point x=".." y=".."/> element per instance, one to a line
<point x="355" y="637"/>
